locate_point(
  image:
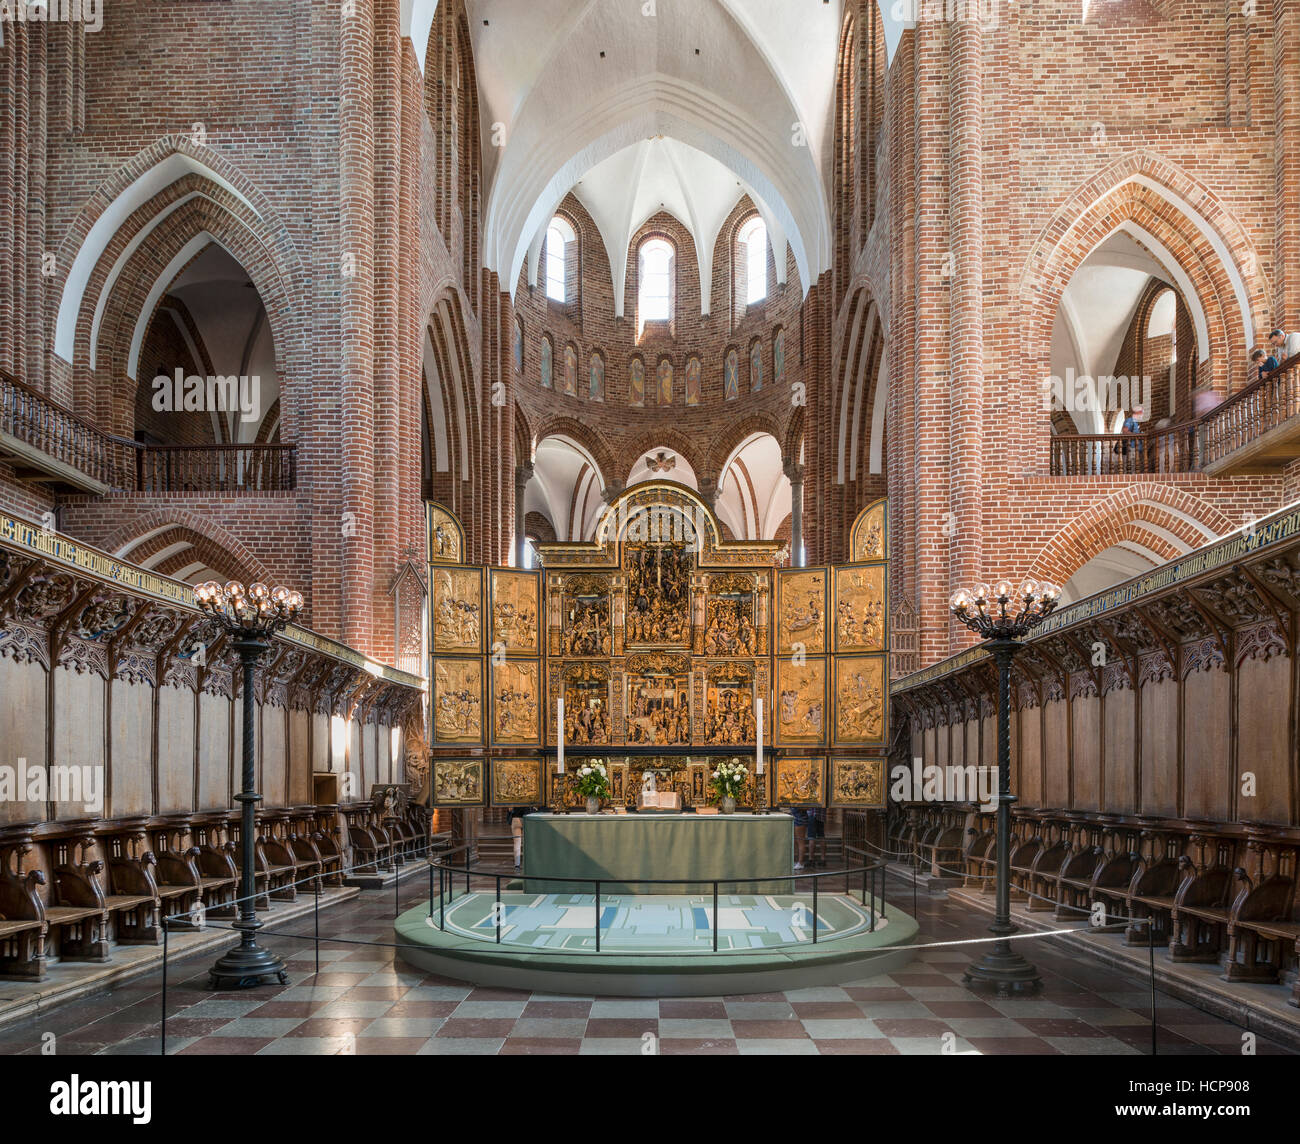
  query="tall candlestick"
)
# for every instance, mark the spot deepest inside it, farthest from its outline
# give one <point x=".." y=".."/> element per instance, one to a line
<point x="559" y="734"/>
<point x="758" y="722"/>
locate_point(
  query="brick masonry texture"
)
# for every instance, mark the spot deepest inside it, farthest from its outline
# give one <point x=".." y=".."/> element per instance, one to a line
<point x="969" y="177"/>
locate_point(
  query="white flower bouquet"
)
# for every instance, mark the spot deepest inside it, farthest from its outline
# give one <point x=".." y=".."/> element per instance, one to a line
<point x="729" y="779"/>
<point x="593" y="780"/>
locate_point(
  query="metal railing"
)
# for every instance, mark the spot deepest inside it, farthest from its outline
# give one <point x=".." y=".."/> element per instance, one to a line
<point x="129" y="466"/>
<point x="1240" y="420"/>
<point x="447" y="876"/>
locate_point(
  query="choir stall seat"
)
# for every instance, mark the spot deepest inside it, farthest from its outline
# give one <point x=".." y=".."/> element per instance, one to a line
<point x="23" y="924"/>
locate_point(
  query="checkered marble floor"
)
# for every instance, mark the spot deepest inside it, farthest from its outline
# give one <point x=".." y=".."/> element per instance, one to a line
<point x="365" y="1002"/>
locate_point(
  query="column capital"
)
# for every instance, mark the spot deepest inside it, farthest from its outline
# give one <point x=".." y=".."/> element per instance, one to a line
<point x="523" y="474"/>
<point x="793" y="471"/>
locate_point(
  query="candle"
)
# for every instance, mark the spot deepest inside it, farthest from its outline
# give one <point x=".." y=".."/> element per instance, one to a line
<point x="758" y="723"/>
<point x="559" y="734"/>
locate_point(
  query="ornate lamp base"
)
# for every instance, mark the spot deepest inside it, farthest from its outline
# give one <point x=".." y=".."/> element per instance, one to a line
<point x="247" y="966"/>
<point x="1004" y="972"/>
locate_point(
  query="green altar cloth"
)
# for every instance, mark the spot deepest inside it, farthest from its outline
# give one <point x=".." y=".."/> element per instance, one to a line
<point x="624" y="846"/>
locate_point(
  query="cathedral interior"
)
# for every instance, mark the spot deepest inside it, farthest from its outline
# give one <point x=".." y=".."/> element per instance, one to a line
<point x="676" y="527"/>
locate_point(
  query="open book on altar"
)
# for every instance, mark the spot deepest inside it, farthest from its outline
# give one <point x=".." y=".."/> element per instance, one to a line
<point x="658" y="800"/>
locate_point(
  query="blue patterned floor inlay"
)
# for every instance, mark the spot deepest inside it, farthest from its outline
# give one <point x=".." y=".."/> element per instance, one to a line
<point x="656" y="923"/>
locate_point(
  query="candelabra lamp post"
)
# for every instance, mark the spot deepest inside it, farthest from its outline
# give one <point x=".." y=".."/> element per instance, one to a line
<point x="250" y="616"/>
<point x="1003" y="617"/>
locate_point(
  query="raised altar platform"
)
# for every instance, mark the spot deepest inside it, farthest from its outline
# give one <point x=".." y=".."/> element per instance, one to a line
<point x="658" y="846"/>
<point x="656" y="945"/>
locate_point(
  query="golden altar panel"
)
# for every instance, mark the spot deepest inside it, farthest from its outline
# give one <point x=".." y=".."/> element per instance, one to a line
<point x="869" y="538"/>
<point x="585" y="619"/>
<point x="587" y="707"/>
<point x="801" y="606"/>
<point x="446" y="537"/>
<point x="860" y="700"/>
<point x="459" y="782"/>
<point x="800" y="781"/>
<point x="730" y="621"/>
<point x="801" y="701"/>
<point x="517" y="782"/>
<point x="516" y="702"/>
<point x="657" y="699"/>
<point x="860" y="607"/>
<point x="658" y="608"/>
<point x="457" y="610"/>
<point x="516" y="612"/>
<point x="857" y="782"/>
<point x="457" y="700"/>
<point x="729" y="704"/>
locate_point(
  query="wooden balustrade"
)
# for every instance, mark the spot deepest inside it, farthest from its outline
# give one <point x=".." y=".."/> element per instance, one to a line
<point x="1238" y="422"/>
<point x="45" y="427"/>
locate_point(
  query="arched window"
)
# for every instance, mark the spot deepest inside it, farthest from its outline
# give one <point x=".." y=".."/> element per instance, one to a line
<point x="558" y="236"/>
<point x="654" y="299"/>
<point x="753" y="246"/>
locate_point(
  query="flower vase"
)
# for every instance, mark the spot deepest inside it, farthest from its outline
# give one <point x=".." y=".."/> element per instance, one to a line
<point x="593" y="805"/>
<point x="728" y="804"/>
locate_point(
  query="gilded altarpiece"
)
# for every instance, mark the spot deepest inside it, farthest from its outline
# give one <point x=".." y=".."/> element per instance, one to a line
<point x="658" y="633"/>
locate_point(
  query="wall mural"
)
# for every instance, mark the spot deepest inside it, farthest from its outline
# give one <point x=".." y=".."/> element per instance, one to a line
<point x="756" y="366"/>
<point x="570" y="371"/>
<point x="694" y="392"/>
<point x="731" y="376"/>
<point x="658" y="633"/>
<point x="547" y="364"/>
<point x="778" y="357"/>
<point x="596" y="380"/>
<point x="664" y="379"/>
<point x="636" y="382"/>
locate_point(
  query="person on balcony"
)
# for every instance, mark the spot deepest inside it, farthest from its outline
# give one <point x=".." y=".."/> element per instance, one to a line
<point x="1285" y="346"/>
<point x="1265" y="364"/>
<point x="1131" y="449"/>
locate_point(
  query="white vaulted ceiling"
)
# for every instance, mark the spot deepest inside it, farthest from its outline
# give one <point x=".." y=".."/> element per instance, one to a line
<point x="660" y="174"/>
<point x="757" y="100"/>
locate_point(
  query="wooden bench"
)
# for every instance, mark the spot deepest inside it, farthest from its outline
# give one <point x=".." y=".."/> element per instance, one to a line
<point x="328" y="840"/>
<point x="290" y="868"/>
<point x="23" y="924"/>
<point x="371" y="848"/>
<point x="78" y="913"/>
<point x="133" y="896"/>
<point x="1154" y="887"/>
<point x="1045" y="870"/>
<point x="180" y="885"/>
<point x="942" y="850"/>
<point x="1262" y="929"/>
<point x="218" y="874"/>
<point x="981" y="853"/>
<point x="1201" y="910"/>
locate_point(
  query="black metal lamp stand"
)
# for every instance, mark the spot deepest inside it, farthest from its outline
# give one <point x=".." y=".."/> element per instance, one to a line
<point x="251" y="617"/>
<point x="1002" y="970"/>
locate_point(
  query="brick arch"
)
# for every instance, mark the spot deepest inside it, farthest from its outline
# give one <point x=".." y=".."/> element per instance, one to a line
<point x="523" y="437"/>
<point x="538" y="525"/>
<point x="684" y="446"/>
<point x="585" y="436"/>
<point x="83" y="269"/>
<point x="793" y="437"/>
<point x="106" y="388"/>
<point x="1126" y="192"/>
<point x="1126" y="514"/>
<point x="720" y="448"/>
<point x="213" y="544"/>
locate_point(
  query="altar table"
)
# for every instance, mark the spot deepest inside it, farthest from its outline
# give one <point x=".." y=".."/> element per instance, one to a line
<point x="623" y="846"/>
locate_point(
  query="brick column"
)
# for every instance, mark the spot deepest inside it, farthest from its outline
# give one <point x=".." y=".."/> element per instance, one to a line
<point x="387" y="308"/>
<point x="523" y="474"/>
<point x="794" y="472"/>
<point x="1286" y="162"/>
<point x="355" y="457"/>
<point x="964" y="529"/>
<point x="931" y="396"/>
